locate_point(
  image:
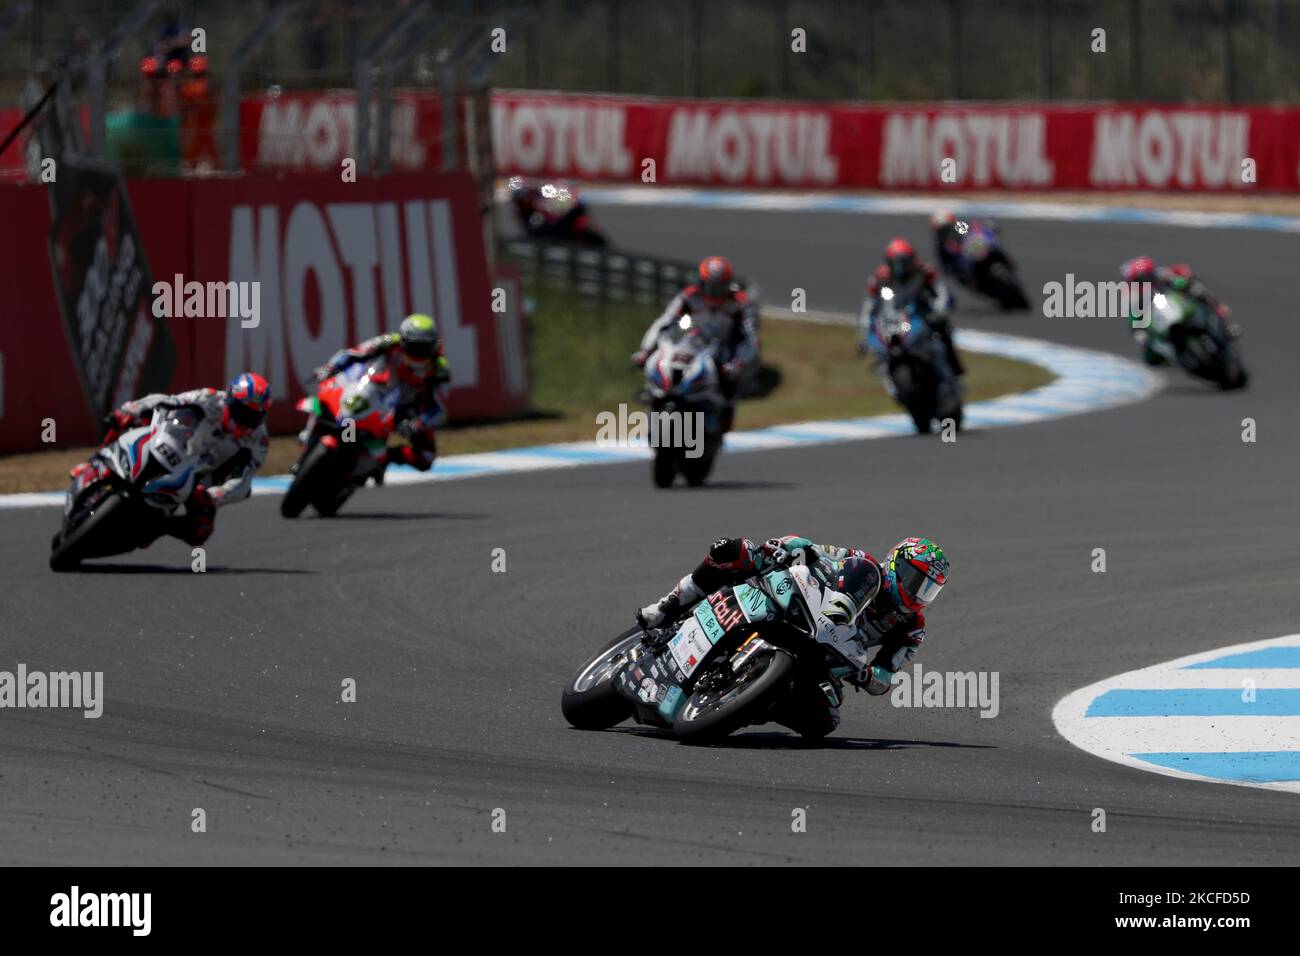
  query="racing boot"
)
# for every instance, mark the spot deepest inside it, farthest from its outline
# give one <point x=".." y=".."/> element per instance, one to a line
<point x="667" y="609"/>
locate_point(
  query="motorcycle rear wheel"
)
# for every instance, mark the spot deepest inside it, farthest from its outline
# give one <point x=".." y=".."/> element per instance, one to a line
<point x="590" y="700"/>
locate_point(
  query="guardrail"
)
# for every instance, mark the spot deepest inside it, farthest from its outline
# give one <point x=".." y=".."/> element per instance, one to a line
<point x="605" y="274"/>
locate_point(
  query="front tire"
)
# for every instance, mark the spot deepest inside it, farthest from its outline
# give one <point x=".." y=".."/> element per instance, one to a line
<point x="664" y="469"/>
<point x="310" y="482"/>
<point x="696" y="470"/>
<point x="1232" y="374"/>
<point x="907" y="387"/>
<point x="590" y="700"/>
<point x="1004" y="287"/>
<point x="68" y="552"/>
<point x="710" y="715"/>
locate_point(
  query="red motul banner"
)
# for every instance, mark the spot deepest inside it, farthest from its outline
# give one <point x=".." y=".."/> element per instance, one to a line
<point x="814" y="146"/>
<point x="986" y="146"/>
<point x="318" y="130"/>
<point x="327" y="263"/>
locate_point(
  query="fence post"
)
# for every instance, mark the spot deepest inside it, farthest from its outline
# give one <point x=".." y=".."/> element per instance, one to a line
<point x="228" y="120"/>
<point x="781" y="18"/>
<point x="867" y="74"/>
<point x="1229" y="62"/>
<point x="614" y="22"/>
<point x="97" y="72"/>
<point x="1045" y="46"/>
<point x="1135" y="48"/>
<point x="954" y="42"/>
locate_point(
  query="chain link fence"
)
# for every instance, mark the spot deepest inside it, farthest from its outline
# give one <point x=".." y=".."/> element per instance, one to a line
<point x="1160" y="50"/>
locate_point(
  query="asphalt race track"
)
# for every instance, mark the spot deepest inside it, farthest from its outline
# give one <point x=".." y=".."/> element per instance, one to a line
<point x="223" y="689"/>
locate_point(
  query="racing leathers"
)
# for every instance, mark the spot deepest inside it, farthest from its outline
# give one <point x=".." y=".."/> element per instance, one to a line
<point x="894" y="631"/>
<point x="948" y="243"/>
<point x="737" y="315"/>
<point x="929" y="292"/>
<point x="420" y="409"/>
<point x="1180" y="278"/>
<point x="229" y="459"/>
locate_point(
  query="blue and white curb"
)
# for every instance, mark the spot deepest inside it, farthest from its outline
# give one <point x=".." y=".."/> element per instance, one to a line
<point x="1086" y="381"/>
<point x="682" y="197"/>
<point x="1230" y="715"/>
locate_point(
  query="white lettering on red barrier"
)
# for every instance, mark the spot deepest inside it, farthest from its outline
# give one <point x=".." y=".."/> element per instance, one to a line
<point x="1190" y="148"/>
<point x="581" y="140"/>
<point x="989" y="149"/>
<point x="306" y="304"/>
<point x="317" y="132"/>
<point x="756" y="143"/>
<point x="758" y="146"/>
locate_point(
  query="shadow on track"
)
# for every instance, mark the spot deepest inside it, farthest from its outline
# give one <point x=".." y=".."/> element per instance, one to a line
<point x="400" y="516"/>
<point x="777" y="740"/>
<point x="176" y="569"/>
<point x="756" y="485"/>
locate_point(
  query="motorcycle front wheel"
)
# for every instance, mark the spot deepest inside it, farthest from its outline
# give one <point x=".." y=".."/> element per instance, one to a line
<point x="715" y="710"/>
<point x="317" y="474"/>
<point x="89" y="538"/>
<point x="664" y="469"/>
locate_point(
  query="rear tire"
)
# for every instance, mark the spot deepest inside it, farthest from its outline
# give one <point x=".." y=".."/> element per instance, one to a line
<point x="598" y="705"/>
<point x="709" y="717"/>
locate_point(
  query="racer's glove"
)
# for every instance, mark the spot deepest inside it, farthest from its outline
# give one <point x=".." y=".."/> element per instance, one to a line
<point x="732" y="369"/>
<point x="874" y="680"/>
<point x="639" y="358"/>
<point x="116" y="422"/>
<point x="776" y="553"/>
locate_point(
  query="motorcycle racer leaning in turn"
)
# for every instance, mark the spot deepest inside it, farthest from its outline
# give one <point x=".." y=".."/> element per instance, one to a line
<point x="893" y="597"/>
<point x="415" y="354"/>
<point x="901" y="267"/>
<point x="714" y="293"/>
<point x="232" y="438"/>
<point x="1176" y="278"/>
